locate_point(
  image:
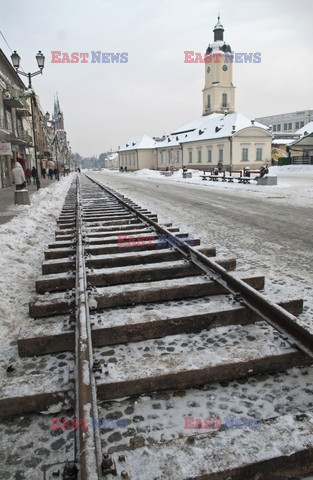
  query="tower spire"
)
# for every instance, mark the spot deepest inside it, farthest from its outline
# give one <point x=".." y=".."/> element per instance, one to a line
<point x="218" y="31"/>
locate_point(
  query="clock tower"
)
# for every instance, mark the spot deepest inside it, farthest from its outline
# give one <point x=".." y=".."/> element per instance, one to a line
<point x="219" y="91"/>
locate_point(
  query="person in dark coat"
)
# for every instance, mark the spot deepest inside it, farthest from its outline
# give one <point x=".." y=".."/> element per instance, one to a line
<point x="34" y="174"/>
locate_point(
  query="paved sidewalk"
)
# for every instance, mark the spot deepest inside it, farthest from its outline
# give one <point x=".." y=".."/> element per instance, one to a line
<point x="7" y="199"/>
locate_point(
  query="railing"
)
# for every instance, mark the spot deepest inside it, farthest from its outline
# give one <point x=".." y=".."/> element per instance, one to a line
<point x="302" y="160"/>
<point x="25" y="136"/>
<point x="20" y="135"/>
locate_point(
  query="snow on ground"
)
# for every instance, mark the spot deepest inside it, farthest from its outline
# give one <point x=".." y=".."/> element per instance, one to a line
<point x="295" y="183"/>
<point x="23" y="241"/>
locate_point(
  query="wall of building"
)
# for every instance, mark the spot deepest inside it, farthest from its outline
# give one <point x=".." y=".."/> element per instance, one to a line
<point x="170" y="157"/>
<point x="287" y="122"/>
<point x="137" y="159"/>
<point x="251" y="139"/>
<point x="146" y="158"/>
<point x="128" y="159"/>
<point x="232" y="156"/>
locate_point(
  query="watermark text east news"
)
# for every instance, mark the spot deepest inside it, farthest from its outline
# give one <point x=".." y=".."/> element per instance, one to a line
<point x="86" y="57"/>
<point x="233" y="57"/>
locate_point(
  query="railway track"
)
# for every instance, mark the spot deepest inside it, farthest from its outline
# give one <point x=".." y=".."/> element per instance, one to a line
<point x="161" y="347"/>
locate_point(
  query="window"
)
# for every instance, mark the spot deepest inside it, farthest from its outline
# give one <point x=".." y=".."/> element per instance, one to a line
<point x="190" y="156"/>
<point x="161" y="157"/>
<point x="258" y="154"/>
<point x="177" y="156"/>
<point x="199" y="156"/>
<point x="297" y="125"/>
<point x="289" y="126"/>
<point x="134" y="160"/>
<point x="274" y="128"/>
<point x="220" y="155"/>
<point x="285" y="126"/>
<point x="209" y="156"/>
<point x="8" y="120"/>
<point x="244" y="154"/>
<point x="278" y="128"/>
<point x="224" y="100"/>
<point x="301" y="124"/>
<point x="209" y="101"/>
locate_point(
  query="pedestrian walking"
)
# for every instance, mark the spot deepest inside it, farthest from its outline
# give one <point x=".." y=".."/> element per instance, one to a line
<point x="43" y="173"/>
<point x="56" y="174"/>
<point x="29" y="176"/>
<point x="34" y="174"/>
<point x="19" y="176"/>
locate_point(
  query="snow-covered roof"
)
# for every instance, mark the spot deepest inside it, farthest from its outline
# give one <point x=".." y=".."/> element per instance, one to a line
<point x="210" y="127"/>
<point x="138" y="142"/>
<point x="112" y="156"/>
<point x="282" y="141"/>
<point x="308" y="128"/>
<point x="172" y="140"/>
<point x="197" y="123"/>
<point x="305" y="143"/>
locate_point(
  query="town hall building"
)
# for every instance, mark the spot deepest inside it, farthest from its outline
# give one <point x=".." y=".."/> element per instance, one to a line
<point x="221" y="138"/>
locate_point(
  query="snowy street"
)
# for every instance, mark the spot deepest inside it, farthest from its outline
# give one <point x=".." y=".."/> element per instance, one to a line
<point x="268" y="229"/>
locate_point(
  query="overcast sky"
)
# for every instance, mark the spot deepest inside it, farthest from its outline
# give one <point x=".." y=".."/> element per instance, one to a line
<point x="105" y="104"/>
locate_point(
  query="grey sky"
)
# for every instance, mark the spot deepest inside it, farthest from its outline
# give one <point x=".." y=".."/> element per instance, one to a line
<point x="106" y="104"/>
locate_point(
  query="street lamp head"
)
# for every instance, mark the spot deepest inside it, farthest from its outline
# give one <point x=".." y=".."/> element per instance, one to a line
<point x="40" y="60"/>
<point x="15" y="59"/>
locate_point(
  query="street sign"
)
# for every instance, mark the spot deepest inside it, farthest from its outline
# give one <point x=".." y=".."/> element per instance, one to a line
<point x="5" y="149"/>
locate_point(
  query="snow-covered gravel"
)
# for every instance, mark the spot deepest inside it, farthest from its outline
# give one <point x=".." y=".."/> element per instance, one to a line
<point x="23" y="241"/>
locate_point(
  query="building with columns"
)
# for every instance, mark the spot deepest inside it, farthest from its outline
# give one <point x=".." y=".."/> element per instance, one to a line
<point x="221" y="138"/>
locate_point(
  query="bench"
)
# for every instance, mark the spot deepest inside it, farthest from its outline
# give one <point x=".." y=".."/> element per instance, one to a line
<point x="215" y="178"/>
<point x="228" y="178"/>
<point x="244" y="179"/>
<point x="166" y="173"/>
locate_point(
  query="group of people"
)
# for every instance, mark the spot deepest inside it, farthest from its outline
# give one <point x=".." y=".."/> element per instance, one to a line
<point x="30" y="174"/>
<point x="21" y="178"/>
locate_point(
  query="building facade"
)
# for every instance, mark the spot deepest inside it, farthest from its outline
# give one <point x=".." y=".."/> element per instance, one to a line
<point x="221" y="138"/>
<point x="138" y="153"/>
<point x="16" y="127"/>
<point x="287" y="122"/>
<point x="15" y="122"/>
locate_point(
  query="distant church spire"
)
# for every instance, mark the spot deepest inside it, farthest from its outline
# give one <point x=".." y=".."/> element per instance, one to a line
<point x="57" y="114"/>
<point x="57" y="108"/>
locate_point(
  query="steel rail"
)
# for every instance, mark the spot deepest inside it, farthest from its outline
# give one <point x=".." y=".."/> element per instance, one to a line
<point x="88" y="451"/>
<point x="276" y="316"/>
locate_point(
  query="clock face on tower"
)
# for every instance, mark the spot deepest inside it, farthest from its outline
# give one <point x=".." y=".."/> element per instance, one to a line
<point x="224" y="67"/>
<point x="208" y="69"/>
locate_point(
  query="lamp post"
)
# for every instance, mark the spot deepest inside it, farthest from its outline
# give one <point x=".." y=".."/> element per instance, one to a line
<point x="41" y="63"/>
